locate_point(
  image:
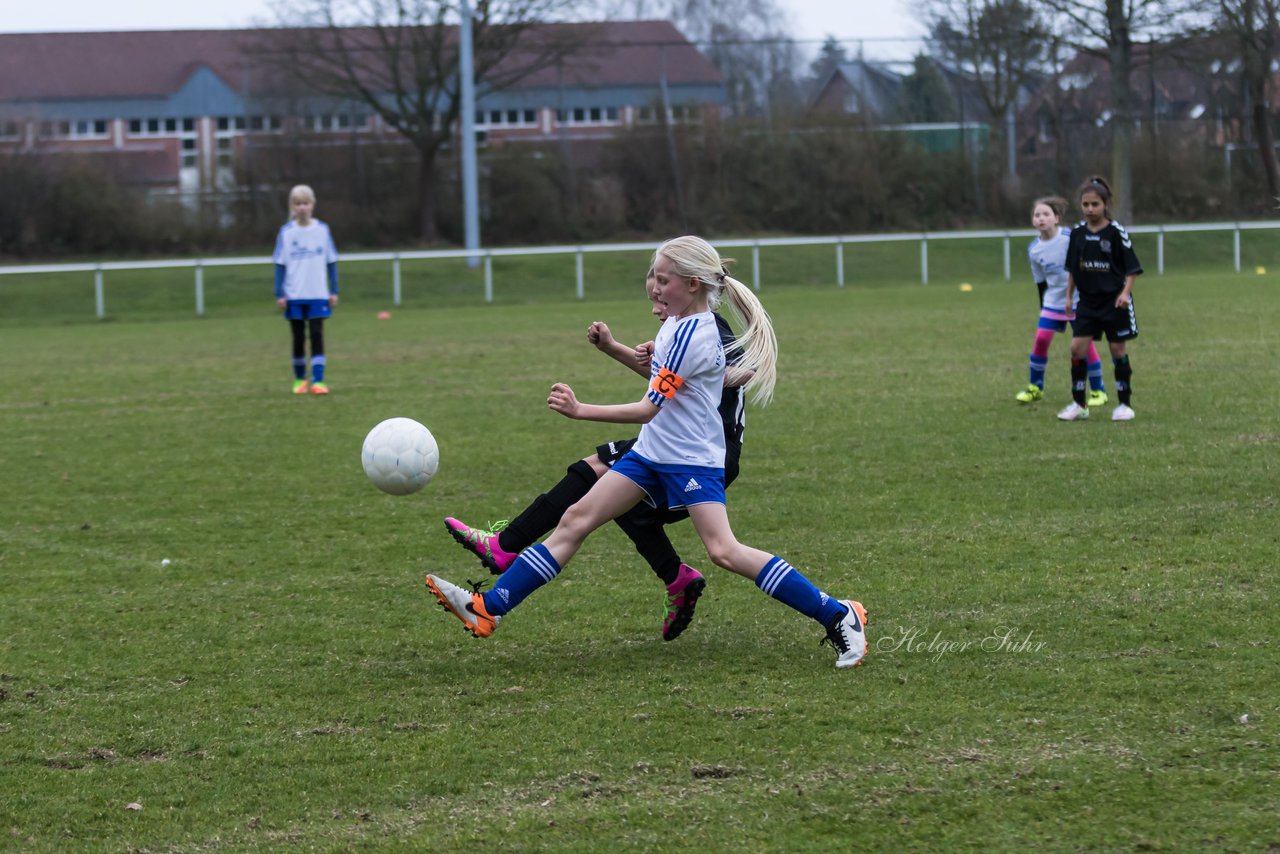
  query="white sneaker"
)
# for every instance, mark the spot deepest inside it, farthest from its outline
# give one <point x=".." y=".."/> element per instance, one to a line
<point x="1122" y="413"/>
<point x="466" y="605"/>
<point x="848" y="635"/>
<point x="1074" y="412"/>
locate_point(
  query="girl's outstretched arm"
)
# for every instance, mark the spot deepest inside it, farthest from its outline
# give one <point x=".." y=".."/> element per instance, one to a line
<point x="563" y="400"/>
<point x="599" y="334"/>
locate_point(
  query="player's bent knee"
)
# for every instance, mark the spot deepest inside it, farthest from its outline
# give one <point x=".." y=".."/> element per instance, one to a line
<point x="721" y="553"/>
<point x="579" y="521"/>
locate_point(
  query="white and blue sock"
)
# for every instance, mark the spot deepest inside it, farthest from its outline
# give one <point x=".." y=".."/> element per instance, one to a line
<point x="1038" y="364"/>
<point x="785" y="583"/>
<point x="299" y="367"/>
<point x="317" y="368"/>
<point x="1095" y="376"/>
<point x="533" y="568"/>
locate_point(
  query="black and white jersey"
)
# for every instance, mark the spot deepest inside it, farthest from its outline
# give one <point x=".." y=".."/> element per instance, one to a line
<point x="732" y="407"/>
<point x="1100" y="261"/>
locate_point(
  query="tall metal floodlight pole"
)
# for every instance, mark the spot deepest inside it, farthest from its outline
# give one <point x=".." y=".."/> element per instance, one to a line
<point x="470" y="194"/>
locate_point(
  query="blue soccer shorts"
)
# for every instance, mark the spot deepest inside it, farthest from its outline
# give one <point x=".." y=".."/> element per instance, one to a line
<point x="672" y="486"/>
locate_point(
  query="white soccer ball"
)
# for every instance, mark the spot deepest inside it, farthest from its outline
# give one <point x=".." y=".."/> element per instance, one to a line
<point x="400" y="456"/>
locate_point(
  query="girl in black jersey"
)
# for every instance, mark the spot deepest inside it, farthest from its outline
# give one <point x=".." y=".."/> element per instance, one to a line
<point x="1101" y="267"/>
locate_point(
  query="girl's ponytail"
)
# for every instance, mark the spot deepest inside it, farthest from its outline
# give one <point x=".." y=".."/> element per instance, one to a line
<point x="694" y="258"/>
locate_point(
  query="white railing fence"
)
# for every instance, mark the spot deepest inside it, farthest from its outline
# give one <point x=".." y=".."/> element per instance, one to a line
<point x="486" y="256"/>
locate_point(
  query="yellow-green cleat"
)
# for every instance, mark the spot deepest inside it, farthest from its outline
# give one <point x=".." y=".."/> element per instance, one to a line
<point x="1030" y="394"/>
<point x="1097" y="398"/>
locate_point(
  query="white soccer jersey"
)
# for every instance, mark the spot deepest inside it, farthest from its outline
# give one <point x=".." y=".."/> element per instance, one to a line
<point x="686" y="380"/>
<point x="1049" y="264"/>
<point x="306" y="253"/>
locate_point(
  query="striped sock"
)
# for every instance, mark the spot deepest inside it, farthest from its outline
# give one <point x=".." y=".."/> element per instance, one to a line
<point x="317" y="368"/>
<point x="785" y="583"/>
<point x="299" y="368"/>
<point x="1038" y="364"/>
<point x="1095" y="376"/>
<point x="534" y="568"/>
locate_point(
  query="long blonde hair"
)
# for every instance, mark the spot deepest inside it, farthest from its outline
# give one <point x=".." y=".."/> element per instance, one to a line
<point x="694" y="258"/>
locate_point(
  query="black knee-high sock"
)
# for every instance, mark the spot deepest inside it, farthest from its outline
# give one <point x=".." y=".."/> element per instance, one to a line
<point x="316" y="325"/>
<point x="298" y="328"/>
<point x="1079" y="381"/>
<point x="537" y="520"/>
<point x="651" y="541"/>
<point x="1124" y="375"/>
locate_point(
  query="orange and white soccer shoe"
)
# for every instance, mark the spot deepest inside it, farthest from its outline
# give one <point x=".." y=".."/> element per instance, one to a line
<point x="849" y="635"/>
<point x="466" y="605"/>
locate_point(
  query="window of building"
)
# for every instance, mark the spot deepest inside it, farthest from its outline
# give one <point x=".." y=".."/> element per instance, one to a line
<point x="55" y="130"/>
<point x="340" y="121"/>
<point x="79" y="129"/>
<point x="588" y="116"/>
<point x="10" y="130"/>
<point x="686" y="113"/>
<point x="157" y="127"/>
<point x="506" y="118"/>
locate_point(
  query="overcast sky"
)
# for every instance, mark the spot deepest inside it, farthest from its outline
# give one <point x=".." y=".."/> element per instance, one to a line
<point x="882" y="23"/>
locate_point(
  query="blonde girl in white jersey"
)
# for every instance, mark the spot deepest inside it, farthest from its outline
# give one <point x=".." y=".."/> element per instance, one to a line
<point x="679" y="456"/>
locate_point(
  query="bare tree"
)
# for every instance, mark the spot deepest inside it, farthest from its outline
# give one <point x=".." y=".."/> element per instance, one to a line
<point x="748" y="41"/>
<point x="399" y="58"/>
<point x="1252" y="24"/>
<point x="999" y="43"/>
<point x="1108" y="28"/>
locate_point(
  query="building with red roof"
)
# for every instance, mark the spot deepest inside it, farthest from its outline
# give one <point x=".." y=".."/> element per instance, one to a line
<point x="172" y="110"/>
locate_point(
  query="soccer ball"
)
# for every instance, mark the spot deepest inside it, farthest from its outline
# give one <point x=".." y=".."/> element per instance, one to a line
<point x="400" y="456"/>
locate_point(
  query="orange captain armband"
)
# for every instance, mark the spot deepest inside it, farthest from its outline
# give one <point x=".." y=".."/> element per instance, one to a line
<point x="666" y="383"/>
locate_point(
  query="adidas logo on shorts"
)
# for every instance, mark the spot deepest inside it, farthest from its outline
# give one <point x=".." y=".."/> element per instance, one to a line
<point x="692" y="485"/>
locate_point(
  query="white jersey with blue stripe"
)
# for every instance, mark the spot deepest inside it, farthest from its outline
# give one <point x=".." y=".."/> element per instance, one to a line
<point x="687" y="429"/>
<point x="306" y="253"/>
<point x="1049" y="264"/>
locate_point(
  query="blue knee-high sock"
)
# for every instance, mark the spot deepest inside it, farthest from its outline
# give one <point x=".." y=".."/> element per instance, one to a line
<point x="785" y="583"/>
<point x="1038" y="364"/>
<point x="1095" y="376"/>
<point x="317" y="368"/>
<point x="533" y="568"/>
<point x="300" y="367"/>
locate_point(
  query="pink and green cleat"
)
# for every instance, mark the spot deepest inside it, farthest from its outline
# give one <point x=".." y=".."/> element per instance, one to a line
<point x="482" y="543"/>
<point x="682" y="597"/>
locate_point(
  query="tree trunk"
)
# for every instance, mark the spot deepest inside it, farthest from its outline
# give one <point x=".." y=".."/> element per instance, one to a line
<point x="426" y="196"/>
<point x="1263" y="135"/>
<point x="1120" y="53"/>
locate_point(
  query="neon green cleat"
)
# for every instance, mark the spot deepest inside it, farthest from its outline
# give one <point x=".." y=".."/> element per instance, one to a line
<point x="1097" y="398"/>
<point x="1030" y="394"/>
<point x="300" y="387"/>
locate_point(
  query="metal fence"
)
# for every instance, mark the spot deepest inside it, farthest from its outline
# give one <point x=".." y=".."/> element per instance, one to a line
<point x="486" y="256"/>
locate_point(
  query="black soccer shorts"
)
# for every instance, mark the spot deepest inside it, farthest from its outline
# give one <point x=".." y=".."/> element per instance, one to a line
<point x="1099" y="316"/>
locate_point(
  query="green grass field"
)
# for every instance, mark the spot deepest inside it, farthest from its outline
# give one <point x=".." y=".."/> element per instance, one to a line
<point x="1073" y="630"/>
